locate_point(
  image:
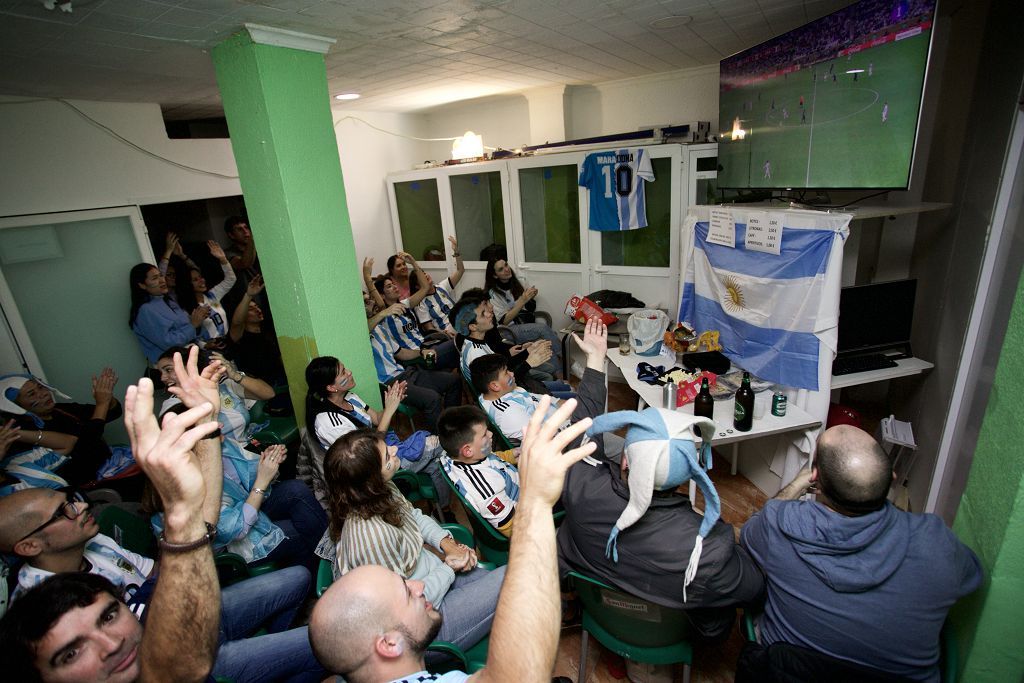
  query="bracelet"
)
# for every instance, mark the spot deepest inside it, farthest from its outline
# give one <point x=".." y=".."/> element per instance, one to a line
<point x="39" y="437"/>
<point x="206" y="539"/>
<point x="260" y="491"/>
<point x="456" y="253"/>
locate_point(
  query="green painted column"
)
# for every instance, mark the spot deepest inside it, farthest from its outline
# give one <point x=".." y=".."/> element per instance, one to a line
<point x="282" y="134"/>
<point x="990" y="520"/>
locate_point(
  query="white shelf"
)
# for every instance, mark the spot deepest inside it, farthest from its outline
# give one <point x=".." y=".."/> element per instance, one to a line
<point x="904" y="367"/>
<point x="859" y="211"/>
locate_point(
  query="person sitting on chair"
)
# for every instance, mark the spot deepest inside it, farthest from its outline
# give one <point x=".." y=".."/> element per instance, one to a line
<point x="432" y="312"/>
<point x="849" y="575"/>
<point x="626" y="523"/>
<point x="374" y="624"/>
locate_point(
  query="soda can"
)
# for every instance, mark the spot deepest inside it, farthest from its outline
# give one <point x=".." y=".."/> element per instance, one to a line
<point x="778" y="404"/>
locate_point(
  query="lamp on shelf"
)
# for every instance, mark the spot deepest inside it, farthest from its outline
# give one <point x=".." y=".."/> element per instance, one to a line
<point x="469" y="146"/>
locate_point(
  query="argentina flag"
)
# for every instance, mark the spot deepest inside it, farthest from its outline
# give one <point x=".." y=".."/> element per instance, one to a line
<point x="774" y="313"/>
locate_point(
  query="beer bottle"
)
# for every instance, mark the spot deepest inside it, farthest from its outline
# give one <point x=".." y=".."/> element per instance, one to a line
<point x="704" y="405"/>
<point x="743" y="415"/>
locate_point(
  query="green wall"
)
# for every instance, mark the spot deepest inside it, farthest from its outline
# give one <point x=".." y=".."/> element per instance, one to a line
<point x="990" y="520"/>
<point x="282" y="134"/>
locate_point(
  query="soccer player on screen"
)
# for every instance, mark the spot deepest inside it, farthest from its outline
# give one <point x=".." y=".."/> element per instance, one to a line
<point x="767" y="170"/>
<point x="885" y="112"/>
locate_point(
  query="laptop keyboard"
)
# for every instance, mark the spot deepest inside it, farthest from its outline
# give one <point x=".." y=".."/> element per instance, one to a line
<point x="853" y="364"/>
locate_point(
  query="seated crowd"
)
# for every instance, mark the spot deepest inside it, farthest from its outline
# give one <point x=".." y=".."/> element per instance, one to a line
<point x="844" y="584"/>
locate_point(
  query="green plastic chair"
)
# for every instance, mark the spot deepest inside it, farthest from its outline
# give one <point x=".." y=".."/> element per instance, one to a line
<point x="281" y="430"/>
<point x="469" y="661"/>
<point x="632" y="627"/>
<point x="417" y="486"/>
<point x="949" y="653"/>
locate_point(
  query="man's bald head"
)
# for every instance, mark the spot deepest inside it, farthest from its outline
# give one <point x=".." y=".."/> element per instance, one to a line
<point x="372" y="624"/>
<point x="20" y="513"/>
<point x="854" y="472"/>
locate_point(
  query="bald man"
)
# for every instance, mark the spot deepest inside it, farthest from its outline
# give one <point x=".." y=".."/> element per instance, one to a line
<point x="373" y="626"/>
<point x="849" y="575"/>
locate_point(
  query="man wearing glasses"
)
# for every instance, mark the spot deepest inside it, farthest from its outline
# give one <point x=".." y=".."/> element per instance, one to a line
<point x="67" y="540"/>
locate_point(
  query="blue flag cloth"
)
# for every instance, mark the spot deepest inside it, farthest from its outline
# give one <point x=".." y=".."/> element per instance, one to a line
<point x="772" y="311"/>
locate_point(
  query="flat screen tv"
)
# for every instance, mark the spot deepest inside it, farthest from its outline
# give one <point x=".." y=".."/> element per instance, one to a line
<point x="833" y="104"/>
<point x="876" y="317"/>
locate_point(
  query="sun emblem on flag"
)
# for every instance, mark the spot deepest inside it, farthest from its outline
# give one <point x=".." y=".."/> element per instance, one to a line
<point x="733" y="295"/>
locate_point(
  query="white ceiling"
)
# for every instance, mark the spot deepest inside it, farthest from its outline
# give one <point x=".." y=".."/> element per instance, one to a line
<point x="400" y="55"/>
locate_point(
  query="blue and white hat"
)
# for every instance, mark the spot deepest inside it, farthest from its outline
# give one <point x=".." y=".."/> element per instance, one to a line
<point x="662" y="454"/>
<point x="10" y="386"/>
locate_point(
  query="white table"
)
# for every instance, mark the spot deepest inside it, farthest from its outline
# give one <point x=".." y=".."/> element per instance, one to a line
<point x="795" y="418"/>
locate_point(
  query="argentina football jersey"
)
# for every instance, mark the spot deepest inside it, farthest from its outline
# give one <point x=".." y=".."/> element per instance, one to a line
<point x="615" y="181"/>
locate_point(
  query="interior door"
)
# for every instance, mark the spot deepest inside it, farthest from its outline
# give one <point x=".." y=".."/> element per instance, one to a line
<point x="64" y="292"/>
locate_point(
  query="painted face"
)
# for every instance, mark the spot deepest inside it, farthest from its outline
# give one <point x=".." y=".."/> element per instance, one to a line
<point x="99" y="642"/>
<point x="389" y="462"/>
<point x="154" y="284"/>
<point x="502" y="271"/>
<point x="35" y="398"/>
<point x="166" y="368"/>
<point x="480" y="447"/>
<point x="506" y="380"/>
<point x="343" y="381"/>
<point x="198" y="281"/>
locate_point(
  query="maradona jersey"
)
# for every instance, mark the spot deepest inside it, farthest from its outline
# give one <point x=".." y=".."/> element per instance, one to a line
<point x="615" y="181"/>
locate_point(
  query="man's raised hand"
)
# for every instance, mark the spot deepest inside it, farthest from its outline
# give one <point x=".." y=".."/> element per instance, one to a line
<point x="195" y="388"/>
<point x="542" y="464"/>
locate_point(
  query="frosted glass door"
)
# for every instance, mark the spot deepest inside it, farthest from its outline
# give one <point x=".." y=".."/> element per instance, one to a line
<point x="65" y="291"/>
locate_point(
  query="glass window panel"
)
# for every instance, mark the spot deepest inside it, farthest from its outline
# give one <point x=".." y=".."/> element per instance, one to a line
<point x="707" y="192"/>
<point x="479" y="212"/>
<point x="707" y="164"/>
<point x="419" y="217"/>
<point x="648" y="247"/>
<point x="549" y="198"/>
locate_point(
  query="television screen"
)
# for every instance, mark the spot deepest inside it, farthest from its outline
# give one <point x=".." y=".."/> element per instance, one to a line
<point x="832" y="104"/>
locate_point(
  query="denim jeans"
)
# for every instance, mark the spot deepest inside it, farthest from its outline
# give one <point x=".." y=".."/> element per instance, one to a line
<point x="294" y="508"/>
<point x="269" y="600"/>
<point x="468" y="607"/>
<point x="525" y="332"/>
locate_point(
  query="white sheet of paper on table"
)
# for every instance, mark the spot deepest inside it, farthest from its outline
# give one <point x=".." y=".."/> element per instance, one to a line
<point x="721" y="228"/>
<point x="764" y="232"/>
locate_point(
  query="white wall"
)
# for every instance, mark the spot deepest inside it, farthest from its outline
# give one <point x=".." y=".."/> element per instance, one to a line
<point x="55" y="160"/>
<point x="629" y="104"/>
<point x="367" y="156"/>
<point x="503" y="121"/>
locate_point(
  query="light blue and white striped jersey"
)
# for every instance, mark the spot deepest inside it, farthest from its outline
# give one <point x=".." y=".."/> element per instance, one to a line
<point x="512" y="411"/>
<point x="404" y="329"/>
<point x="471" y="350"/>
<point x="384" y="348"/>
<point x="615" y="181"/>
<point x="435" y="307"/>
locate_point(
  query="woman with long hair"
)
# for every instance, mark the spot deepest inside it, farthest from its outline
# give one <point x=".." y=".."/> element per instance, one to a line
<point x="333" y="410"/>
<point x="192" y="293"/>
<point x="513" y="302"/>
<point x="371" y="523"/>
<point x="157" y="321"/>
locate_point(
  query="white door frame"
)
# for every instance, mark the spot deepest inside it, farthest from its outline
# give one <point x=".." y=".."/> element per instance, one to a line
<point x="7" y="303"/>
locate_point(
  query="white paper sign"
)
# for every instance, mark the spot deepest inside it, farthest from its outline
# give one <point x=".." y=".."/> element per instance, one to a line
<point x="721" y="229"/>
<point x="764" y="232"/>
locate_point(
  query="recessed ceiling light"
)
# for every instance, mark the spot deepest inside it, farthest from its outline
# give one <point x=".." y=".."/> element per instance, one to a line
<point x="674" y="21"/>
<point x="347" y="96"/>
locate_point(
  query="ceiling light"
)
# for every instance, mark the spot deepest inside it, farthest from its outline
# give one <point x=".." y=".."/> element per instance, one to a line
<point x="673" y="21"/>
<point x="347" y="96"/>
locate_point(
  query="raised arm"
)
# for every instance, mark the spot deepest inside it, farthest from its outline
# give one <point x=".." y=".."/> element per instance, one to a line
<point x="460" y="269"/>
<point x="225" y="285"/>
<point x="368" y="282"/>
<point x="378" y="317"/>
<point x="524" y="637"/>
<point x="186" y="601"/>
<point x="421" y="277"/>
<point x="103" y="393"/>
<point x="254" y="387"/>
<point x="241" y="312"/>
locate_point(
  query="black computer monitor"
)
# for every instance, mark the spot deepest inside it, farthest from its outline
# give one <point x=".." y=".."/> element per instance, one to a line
<point x="876" y="317"/>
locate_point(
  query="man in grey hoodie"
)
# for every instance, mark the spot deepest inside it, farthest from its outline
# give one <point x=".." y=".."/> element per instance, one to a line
<point x="850" y="576"/>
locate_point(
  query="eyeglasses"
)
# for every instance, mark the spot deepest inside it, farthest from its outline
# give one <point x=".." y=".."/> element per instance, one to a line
<point x="75" y="503"/>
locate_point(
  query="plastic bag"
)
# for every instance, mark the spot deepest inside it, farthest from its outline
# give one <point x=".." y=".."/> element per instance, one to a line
<point x="646" y="330"/>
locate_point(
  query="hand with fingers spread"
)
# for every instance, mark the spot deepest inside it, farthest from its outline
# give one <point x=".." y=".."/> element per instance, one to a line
<point x="255" y="286"/>
<point x="216" y="251"/>
<point x="594" y="342"/>
<point x="193" y="387"/>
<point x="9" y="433"/>
<point x="103" y="386"/>
<point x="165" y="455"/>
<point x="542" y="464"/>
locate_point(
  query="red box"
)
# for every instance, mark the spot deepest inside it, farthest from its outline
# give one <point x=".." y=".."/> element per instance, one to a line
<point x="581" y="309"/>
